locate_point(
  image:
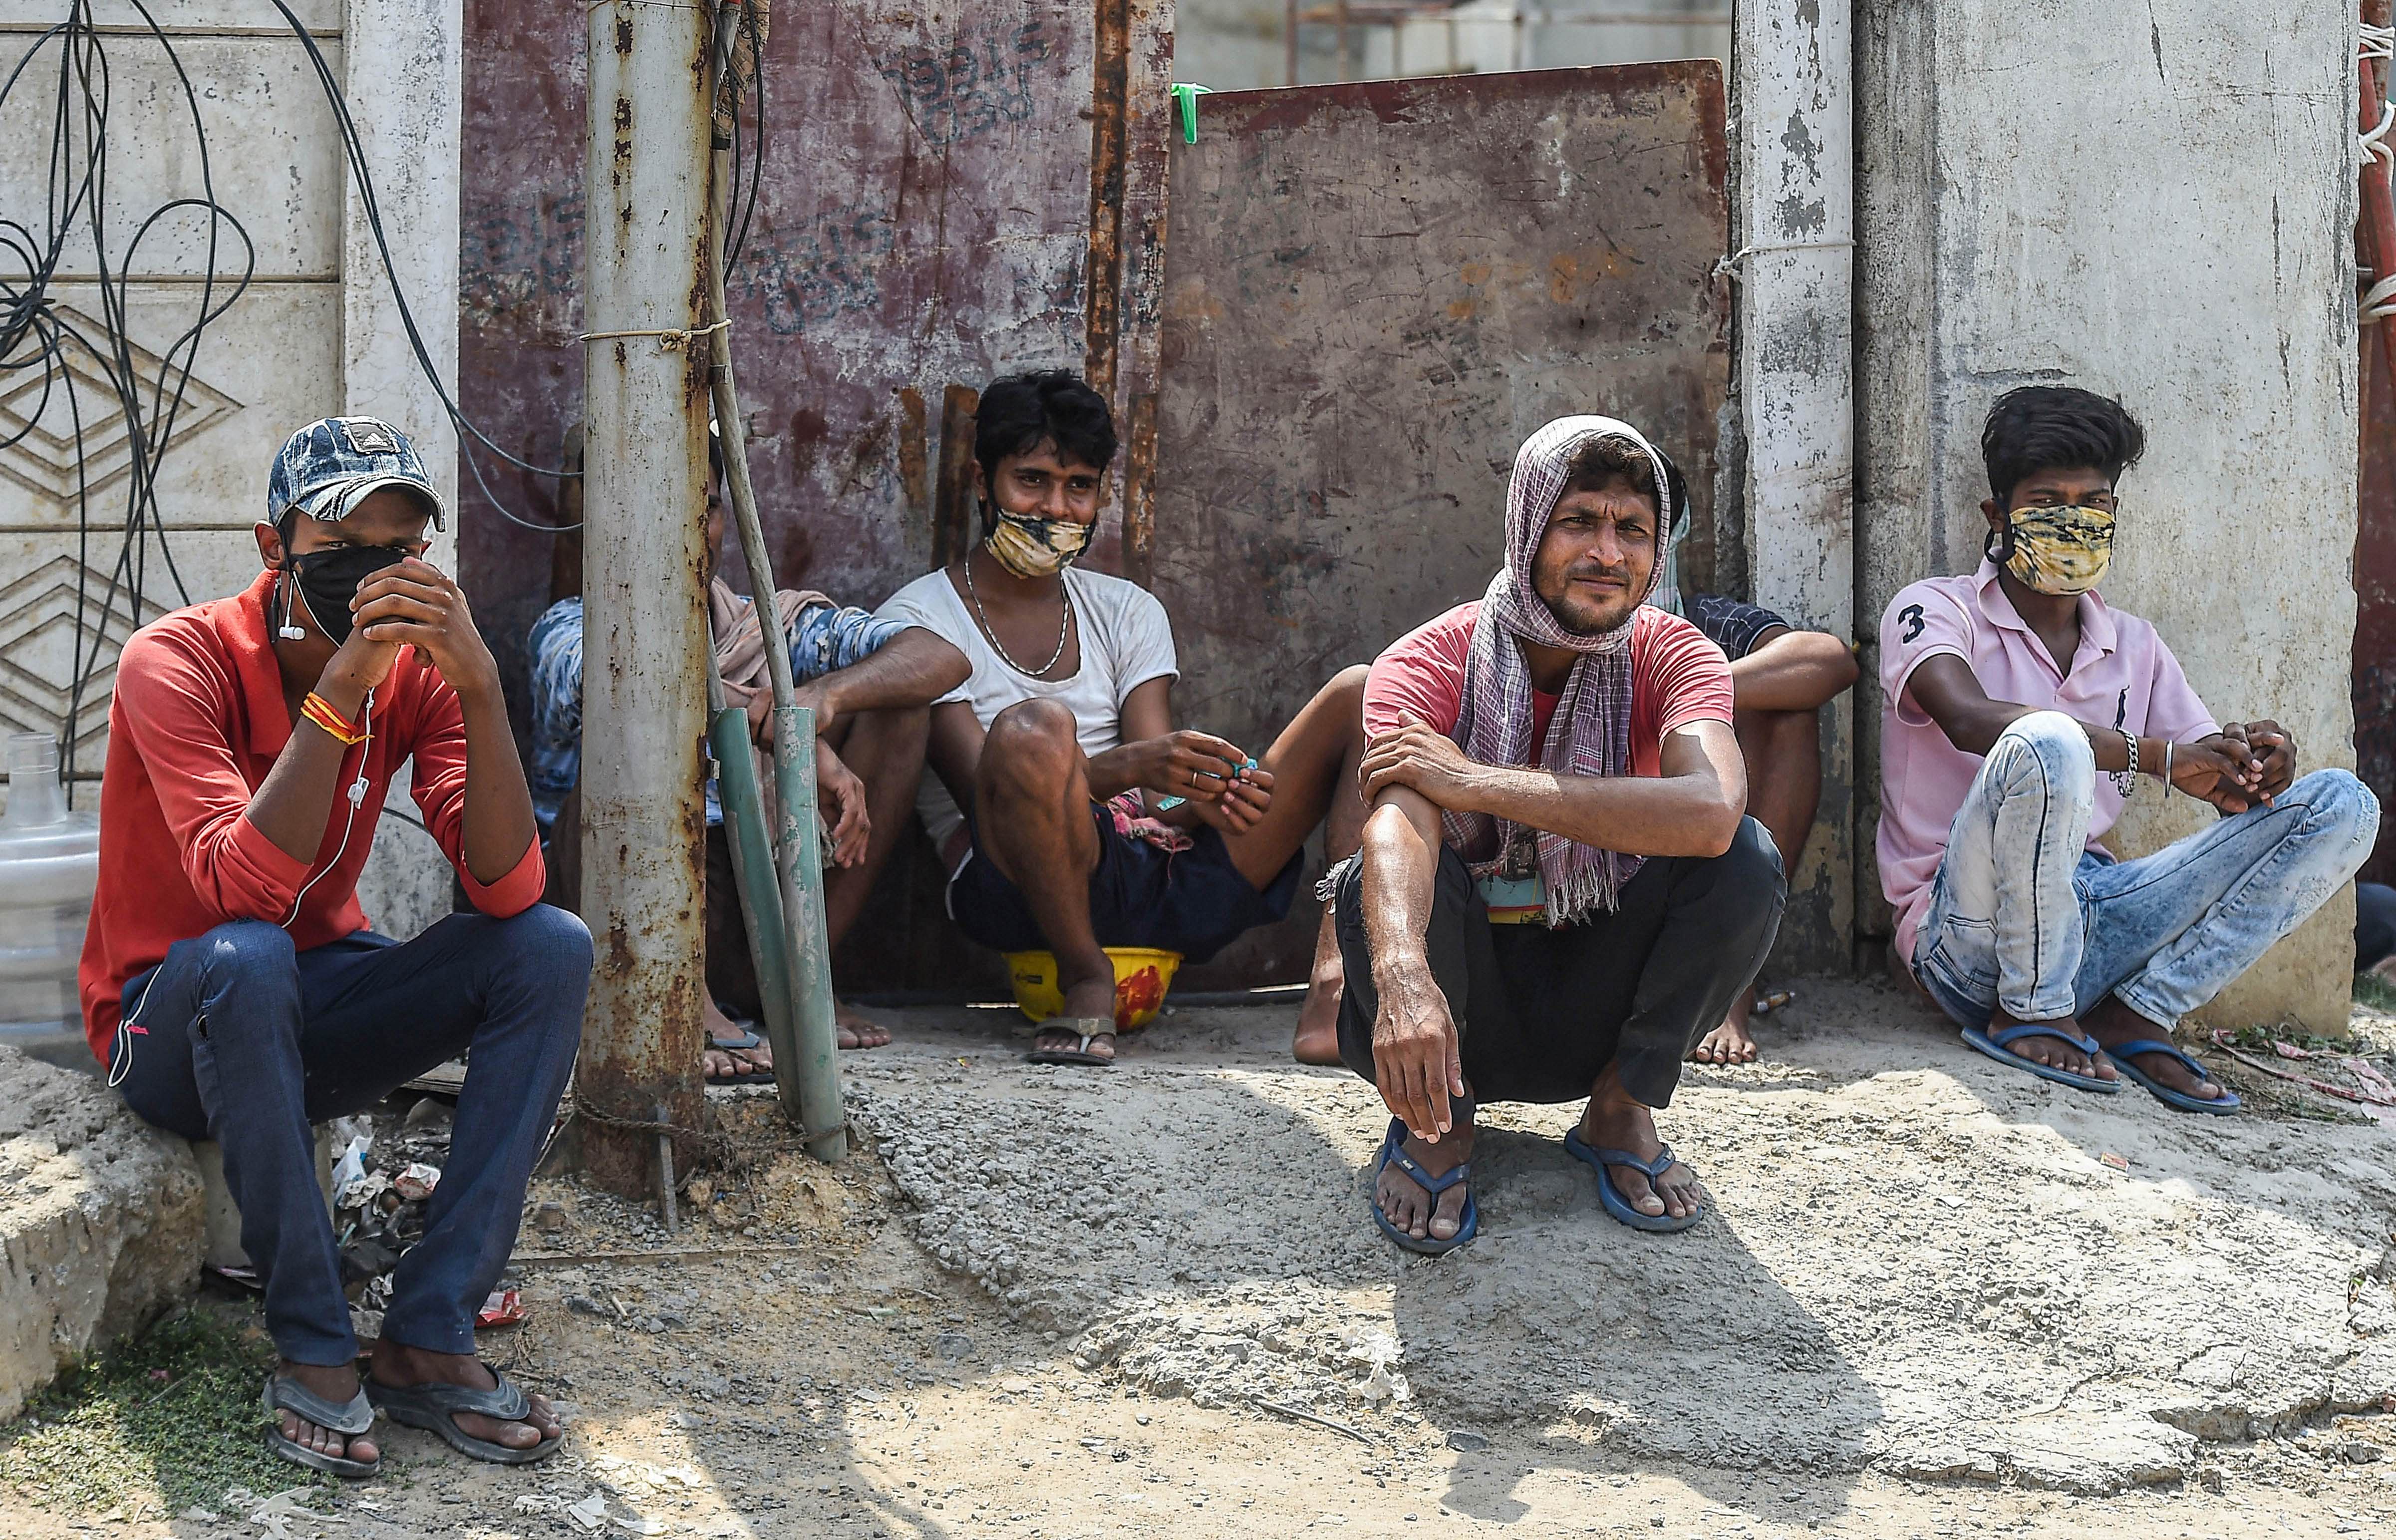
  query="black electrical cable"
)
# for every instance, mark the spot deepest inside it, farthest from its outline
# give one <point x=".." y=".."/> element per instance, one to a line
<point x="757" y="150"/>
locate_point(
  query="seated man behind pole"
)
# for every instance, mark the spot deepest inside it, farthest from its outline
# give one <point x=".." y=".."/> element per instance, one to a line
<point x="1557" y="891"/>
<point x="1093" y="822"/>
<point x="871" y="684"/>
<point x="1781" y="679"/>
<point x="2020" y="707"/>
<point x="230" y="983"/>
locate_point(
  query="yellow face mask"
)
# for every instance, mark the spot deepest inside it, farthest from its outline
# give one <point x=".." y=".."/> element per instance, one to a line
<point x="2060" y="551"/>
<point x="1036" y="548"/>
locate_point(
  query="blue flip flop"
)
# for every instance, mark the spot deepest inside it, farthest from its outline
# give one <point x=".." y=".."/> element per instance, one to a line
<point x="1994" y="1045"/>
<point x="2221" y="1106"/>
<point x="1393" y="1152"/>
<point x="1617" y="1204"/>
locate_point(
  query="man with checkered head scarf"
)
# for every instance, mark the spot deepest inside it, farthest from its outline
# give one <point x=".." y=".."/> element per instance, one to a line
<point x="1558" y="889"/>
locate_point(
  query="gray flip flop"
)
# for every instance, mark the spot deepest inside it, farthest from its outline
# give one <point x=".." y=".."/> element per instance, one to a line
<point x="283" y="1393"/>
<point x="434" y="1409"/>
<point x="1084" y="1029"/>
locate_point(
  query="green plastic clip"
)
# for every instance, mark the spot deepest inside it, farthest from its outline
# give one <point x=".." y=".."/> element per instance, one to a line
<point x="1185" y="98"/>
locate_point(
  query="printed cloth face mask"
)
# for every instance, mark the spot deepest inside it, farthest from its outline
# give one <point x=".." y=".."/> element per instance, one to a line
<point x="1036" y="548"/>
<point x="2060" y="551"/>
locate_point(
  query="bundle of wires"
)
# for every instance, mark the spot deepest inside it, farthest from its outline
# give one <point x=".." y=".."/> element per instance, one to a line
<point x="36" y="333"/>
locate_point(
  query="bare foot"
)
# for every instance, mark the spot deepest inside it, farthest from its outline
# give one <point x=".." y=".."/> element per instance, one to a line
<point x="858" y="1032"/>
<point x="337" y="1383"/>
<point x="2113" y="1022"/>
<point x="1730" y="1042"/>
<point x="1083" y="998"/>
<point x="1402" y="1201"/>
<point x="1615" y="1120"/>
<point x="1318" y="1019"/>
<point x="1318" y="1024"/>
<point x="395" y="1363"/>
<point x="724" y="1066"/>
<point x="2054" y="1052"/>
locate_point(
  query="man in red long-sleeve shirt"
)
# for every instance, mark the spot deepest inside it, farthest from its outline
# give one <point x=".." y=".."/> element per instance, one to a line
<point x="230" y="983"/>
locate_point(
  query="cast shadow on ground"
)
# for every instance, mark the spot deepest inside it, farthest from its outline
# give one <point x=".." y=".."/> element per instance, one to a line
<point x="1230" y="1228"/>
<point x="1681" y="1347"/>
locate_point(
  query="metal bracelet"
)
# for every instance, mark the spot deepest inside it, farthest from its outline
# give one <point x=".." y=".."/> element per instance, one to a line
<point x="2125" y="780"/>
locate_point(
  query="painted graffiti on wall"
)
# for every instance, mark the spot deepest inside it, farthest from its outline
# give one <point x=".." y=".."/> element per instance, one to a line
<point x="971" y="87"/>
<point x="829" y="266"/>
<point x="522" y="252"/>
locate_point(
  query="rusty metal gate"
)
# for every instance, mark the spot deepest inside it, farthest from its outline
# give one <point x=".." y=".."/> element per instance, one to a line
<point x="1374" y="292"/>
<point x="950" y="190"/>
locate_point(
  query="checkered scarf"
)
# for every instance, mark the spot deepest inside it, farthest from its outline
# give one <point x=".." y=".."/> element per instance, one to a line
<point x="1590" y="734"/>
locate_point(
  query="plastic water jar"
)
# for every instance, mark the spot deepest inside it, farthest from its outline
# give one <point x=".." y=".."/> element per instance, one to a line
<point x="49" y="861"/>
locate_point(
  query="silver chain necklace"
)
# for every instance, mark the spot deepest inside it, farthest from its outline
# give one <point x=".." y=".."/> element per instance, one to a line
<point x="1064" y="625"/>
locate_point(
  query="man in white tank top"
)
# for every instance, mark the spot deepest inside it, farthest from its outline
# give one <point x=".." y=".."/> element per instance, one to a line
<point x="1071" y="815"/>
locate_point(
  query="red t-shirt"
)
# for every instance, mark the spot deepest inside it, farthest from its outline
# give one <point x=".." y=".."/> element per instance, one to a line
<point x="1677" y="677"/>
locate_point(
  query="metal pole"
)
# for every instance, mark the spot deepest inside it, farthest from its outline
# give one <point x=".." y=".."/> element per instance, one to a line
<point x="1289" y="42"/>
<point x="643" y="627"/>
<point x="806" y="1071"/>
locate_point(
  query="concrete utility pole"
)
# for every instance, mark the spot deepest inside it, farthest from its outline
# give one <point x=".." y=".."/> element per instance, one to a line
<point x="644" y="626"/>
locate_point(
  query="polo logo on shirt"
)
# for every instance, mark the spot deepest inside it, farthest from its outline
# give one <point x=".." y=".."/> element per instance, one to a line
<point x="1911" y="615"/>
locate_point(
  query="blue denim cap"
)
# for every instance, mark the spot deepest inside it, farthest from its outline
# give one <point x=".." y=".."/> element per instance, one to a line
<point x="327" y="468"/>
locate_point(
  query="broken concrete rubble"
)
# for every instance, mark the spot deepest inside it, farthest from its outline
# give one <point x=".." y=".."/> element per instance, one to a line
<point x="100" y="1223"/>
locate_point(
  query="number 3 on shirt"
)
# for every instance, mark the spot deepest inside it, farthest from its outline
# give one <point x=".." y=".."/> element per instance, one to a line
<point x="1911" y="615"/>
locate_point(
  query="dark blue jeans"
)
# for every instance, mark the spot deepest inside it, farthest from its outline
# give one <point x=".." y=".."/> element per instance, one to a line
<point x="239" y="1038"/>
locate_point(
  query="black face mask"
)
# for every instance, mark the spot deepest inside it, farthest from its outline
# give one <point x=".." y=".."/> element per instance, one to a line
<point x="329" y="580"/>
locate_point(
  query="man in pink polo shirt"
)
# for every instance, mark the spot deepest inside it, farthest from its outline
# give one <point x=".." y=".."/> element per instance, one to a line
<point x="2019" y="706"/>
<point x="230" y="983"/>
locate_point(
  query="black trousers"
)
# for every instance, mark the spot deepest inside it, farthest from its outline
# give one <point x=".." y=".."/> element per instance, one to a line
<point x="1541" y="1012"/>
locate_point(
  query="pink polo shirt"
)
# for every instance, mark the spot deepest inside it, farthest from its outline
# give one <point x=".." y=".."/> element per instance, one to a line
<point x="2123" y="676"/>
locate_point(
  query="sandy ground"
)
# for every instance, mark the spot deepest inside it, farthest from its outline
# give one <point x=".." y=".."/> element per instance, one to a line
<point x="1049" y="1303"/>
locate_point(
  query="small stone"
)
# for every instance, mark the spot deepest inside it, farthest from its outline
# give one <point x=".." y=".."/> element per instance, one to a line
<point x="1657" y="1522"/>
<point x="549" y="1218"/>
<point x="954" y="1346"/>
<point x="2360" y="1452"/>
<point x="585" y="1305"/>
<point x="1465" y="1440"/>
<point x="1141" y="1419"/>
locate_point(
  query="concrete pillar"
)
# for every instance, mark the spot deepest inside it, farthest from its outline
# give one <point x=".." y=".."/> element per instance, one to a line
<point x="401" y="59"/>
<point x="2162" y="210"/>
<point x="1793" y="231"/>
<point x="644" y="629"/>
<point x="401" y="63"/>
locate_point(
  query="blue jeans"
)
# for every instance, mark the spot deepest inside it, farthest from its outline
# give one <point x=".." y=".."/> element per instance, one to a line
<point x="2024" y="915"/>
<point x="237" y="1038"/>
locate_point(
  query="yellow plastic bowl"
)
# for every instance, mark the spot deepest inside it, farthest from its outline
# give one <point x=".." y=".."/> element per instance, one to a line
<point x="1142" y="976"/>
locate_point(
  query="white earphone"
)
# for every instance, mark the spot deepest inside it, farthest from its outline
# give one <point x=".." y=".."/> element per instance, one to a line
<point x="288" y="631"/>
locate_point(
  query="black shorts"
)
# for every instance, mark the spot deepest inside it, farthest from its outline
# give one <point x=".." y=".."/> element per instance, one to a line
<point x="1192" y="901"/>
<point x="1730" y="625"/>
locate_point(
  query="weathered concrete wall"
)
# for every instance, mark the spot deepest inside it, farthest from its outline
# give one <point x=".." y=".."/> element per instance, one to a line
<point x="1792" y="404"/>
<point x="2163" y="211"/>
<point x="100" y="1223"/>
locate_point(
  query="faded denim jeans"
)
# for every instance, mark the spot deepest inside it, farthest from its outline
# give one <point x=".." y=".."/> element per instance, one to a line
<point x="2024" y="915"/>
